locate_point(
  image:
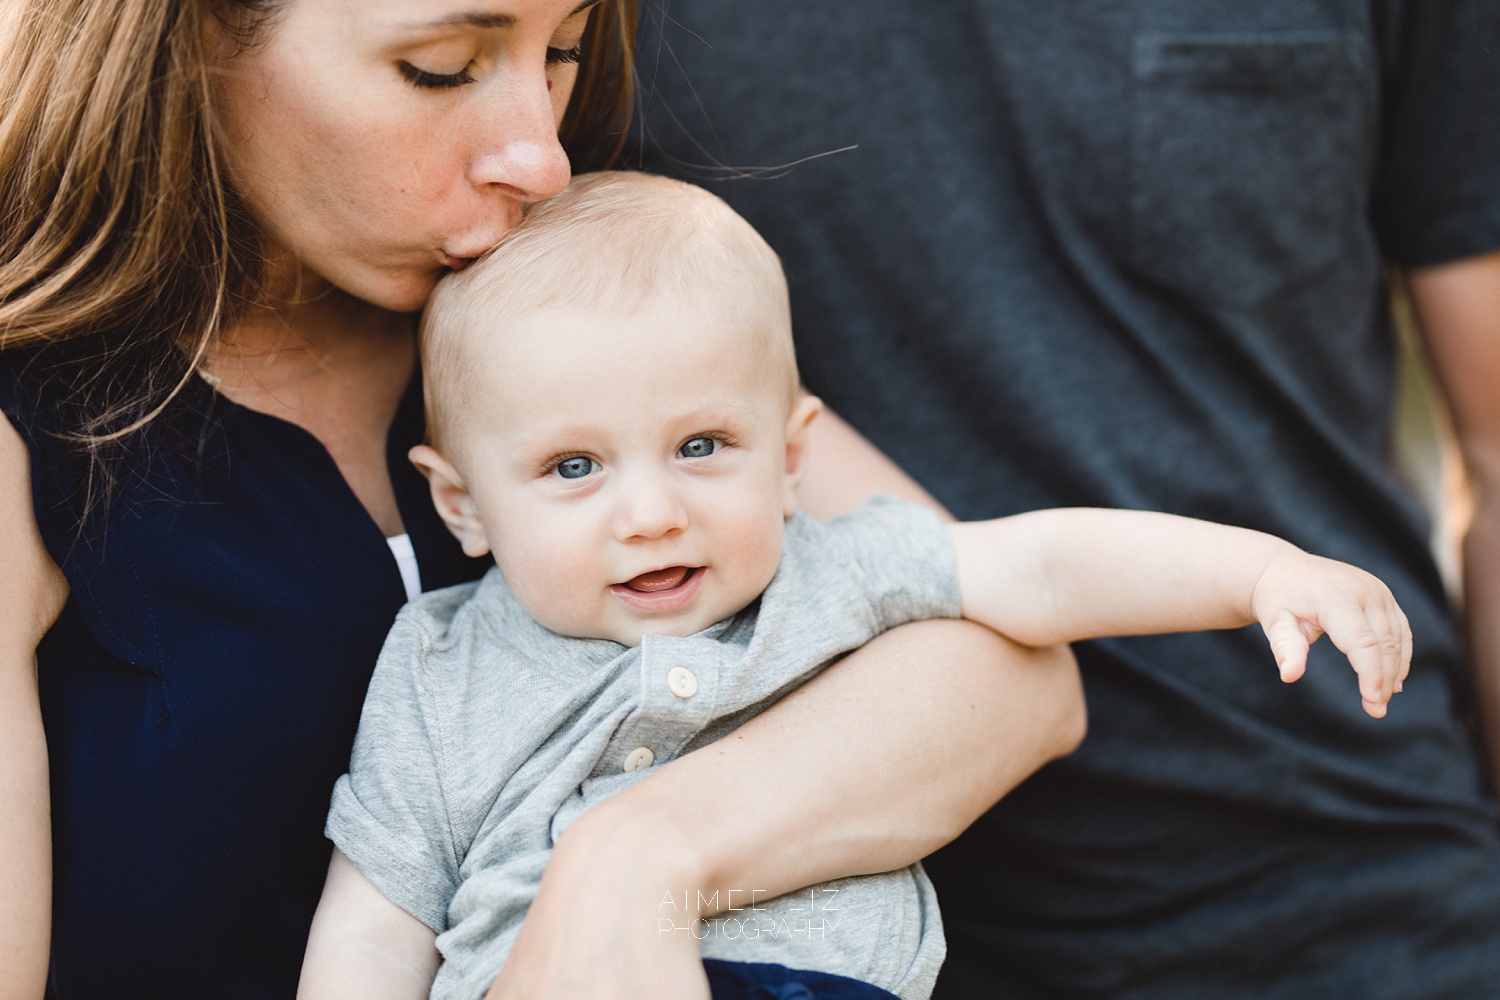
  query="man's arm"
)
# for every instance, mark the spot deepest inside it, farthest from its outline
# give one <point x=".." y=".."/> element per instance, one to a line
<point x="1458" y="308"/>
<point x="363" y="946"/>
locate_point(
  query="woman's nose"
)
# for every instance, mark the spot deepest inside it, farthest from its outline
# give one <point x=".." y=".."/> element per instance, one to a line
<point x="520" y="153"/>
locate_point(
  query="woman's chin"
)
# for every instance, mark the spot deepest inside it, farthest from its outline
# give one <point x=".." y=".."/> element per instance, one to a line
<point x="403" y="291"/>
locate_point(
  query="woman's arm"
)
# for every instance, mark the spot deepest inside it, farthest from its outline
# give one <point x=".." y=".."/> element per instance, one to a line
<point x="362" y="945"/>
<point x="870" y="766"/>
<point x="842" y="470"/>
<point x="32" y="591"/>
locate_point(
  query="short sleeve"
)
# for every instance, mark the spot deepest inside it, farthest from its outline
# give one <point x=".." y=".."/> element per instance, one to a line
<point x="389" y="814"/>
<point x="1437" y="189"/>
<point x="904" y="560"/>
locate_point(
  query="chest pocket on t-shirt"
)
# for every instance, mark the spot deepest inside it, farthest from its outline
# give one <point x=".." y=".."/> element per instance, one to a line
<point x="1249" y="157"/>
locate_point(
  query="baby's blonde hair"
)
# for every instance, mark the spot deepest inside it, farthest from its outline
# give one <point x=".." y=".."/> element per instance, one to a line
<point x="615" y="239"/>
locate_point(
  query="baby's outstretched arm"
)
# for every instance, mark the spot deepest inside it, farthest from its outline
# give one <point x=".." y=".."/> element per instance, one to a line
<point x="1053" y="576"/>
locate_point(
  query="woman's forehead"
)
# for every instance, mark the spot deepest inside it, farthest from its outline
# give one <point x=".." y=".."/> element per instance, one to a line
<point x="431" y="15"/>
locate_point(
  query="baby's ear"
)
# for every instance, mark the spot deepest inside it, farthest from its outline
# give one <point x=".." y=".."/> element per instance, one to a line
<point x="804" y="411"/>
<point x="451" y="496"/>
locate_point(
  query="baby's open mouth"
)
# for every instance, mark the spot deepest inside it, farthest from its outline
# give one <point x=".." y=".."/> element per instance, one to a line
<point x="661" y="579"/>
<point x="661" y="590"/>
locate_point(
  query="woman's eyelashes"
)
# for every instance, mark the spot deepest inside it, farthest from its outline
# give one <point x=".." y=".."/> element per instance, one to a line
<point x="423" y="80"/>
<point x="427" y="80"/>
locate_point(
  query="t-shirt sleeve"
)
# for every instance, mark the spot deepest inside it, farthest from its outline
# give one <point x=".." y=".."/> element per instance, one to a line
<point x="389" y="814"/>
<point x="903" y="559"/>
<point x="1437" y="190"/>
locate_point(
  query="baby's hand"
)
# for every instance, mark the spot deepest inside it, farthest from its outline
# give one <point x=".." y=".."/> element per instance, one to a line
<point x="1300" y="597"/>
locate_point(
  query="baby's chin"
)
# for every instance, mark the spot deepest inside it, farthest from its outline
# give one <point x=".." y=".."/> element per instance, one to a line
<point x="631" y="633"/>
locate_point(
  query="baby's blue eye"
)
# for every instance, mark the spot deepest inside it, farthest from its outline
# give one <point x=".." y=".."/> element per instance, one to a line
<point x="698" y="448"/>
<point x="576" y="467"/>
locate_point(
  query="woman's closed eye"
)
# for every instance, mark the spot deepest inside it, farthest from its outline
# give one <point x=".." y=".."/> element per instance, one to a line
<point x="425" y="80"/>
<point x="428" y="80"/>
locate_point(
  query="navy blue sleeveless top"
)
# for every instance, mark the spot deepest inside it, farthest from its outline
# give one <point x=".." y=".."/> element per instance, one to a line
<point x="202" y="688"/>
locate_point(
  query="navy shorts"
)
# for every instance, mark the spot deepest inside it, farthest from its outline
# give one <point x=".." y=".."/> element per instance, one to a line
<point x="763" y="981"/>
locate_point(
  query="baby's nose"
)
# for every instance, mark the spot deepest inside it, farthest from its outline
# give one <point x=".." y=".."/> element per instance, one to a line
<point x="650" y="510"/>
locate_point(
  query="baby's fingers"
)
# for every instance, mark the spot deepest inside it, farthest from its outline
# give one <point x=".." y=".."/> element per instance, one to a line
<point x="1377" y="650"/>
<point x="1289" y="644"/>
<point x="1403" y="631"/>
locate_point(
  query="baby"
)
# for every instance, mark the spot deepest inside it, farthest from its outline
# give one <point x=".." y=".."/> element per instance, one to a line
<point x="615" y="415"/>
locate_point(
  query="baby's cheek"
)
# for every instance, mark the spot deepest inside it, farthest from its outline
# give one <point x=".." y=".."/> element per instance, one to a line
<point x="540" y="584"/>
<point x="564" y="609"/>
<point x="759" y="554"/>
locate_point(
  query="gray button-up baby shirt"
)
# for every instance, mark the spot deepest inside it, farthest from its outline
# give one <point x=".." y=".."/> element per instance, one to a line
<point x="484" y="735"/>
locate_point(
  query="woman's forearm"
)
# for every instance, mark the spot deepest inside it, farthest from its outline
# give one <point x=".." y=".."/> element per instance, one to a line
<point x="32" y="592"/>
<point x="25" y="833"/>
<point x="878" y="761"/>
<point x="868" y="767"/>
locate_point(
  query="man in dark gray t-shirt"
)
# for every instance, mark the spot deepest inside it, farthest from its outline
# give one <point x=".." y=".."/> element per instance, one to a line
<point x="1131" y="254"/>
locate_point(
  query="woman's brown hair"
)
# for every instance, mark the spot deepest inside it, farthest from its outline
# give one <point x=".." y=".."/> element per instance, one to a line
<point x="123" y="249"/>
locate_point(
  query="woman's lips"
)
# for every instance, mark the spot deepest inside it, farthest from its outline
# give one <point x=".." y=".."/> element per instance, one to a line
<point x="456" y="263"/>
<point x="660" y="590"/>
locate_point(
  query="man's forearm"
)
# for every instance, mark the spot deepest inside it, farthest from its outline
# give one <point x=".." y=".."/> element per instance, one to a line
<point x="1458" y="308"/>
<point x="1482" y="613"/>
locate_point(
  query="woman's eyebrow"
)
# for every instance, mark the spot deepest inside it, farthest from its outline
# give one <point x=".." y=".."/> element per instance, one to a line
<point x="489" y="19"/>
<point x="473" y="19"/>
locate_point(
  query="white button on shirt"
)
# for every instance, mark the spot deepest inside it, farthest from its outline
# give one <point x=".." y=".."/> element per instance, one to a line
<point x="682" y="682"/>
<point x="638" y="758"/>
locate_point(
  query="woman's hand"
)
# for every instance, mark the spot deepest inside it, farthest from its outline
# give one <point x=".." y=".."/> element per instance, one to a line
<point x="870" y="766"/>
<point x="32" y="591"/>
<point x="595" y="930"/>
